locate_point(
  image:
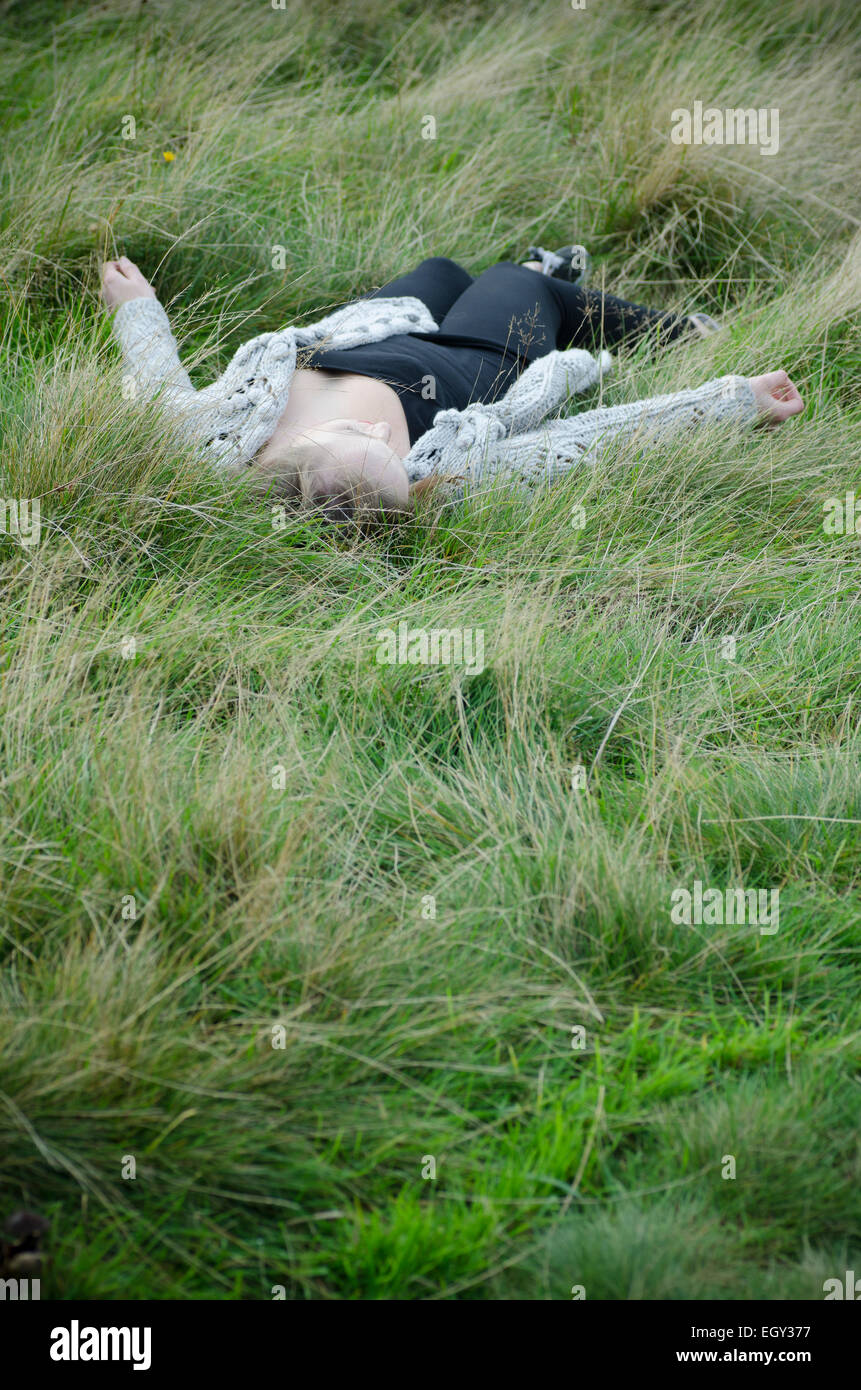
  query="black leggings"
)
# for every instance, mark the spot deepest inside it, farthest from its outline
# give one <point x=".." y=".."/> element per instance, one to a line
<point x="489" y="329"/>
<point x="524" y="311"/>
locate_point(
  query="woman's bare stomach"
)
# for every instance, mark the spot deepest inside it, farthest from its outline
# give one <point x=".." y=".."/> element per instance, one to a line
<point x="318" y="394"/>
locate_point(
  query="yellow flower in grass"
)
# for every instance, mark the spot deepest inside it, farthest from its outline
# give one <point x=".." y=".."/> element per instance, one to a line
<point x="168" y="156"/>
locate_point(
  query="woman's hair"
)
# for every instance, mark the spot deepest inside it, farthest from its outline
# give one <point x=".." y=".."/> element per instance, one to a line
<point x="279" y="468"/>
<point x="293" y="470"/>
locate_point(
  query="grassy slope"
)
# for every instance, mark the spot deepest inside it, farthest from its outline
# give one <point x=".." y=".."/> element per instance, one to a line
<point x="302" y="904"/>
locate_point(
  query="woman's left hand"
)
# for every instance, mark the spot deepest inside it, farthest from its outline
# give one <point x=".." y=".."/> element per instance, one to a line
<point x="122" y="281"/>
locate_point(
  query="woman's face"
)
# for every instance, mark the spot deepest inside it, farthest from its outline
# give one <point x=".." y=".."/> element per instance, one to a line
<point x="355" y="461"/>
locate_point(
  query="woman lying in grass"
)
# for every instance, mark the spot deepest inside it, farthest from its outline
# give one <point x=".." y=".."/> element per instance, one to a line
<point x="436" y="378"/>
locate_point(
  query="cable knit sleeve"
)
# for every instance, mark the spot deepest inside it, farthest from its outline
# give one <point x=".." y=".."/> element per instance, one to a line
<point x="544" y="454"/>
<point x="142" y="329"/>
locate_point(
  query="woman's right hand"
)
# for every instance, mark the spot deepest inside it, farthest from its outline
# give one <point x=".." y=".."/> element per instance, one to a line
<point x="777" y="398"/>
<point x="122" y="281"/>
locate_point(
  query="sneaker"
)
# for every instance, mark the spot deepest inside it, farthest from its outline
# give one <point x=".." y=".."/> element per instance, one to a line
<point x="571" y="263"/>
<point x="703" y="325"/>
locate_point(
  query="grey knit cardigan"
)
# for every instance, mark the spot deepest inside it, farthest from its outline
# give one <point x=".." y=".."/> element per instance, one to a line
<point x="235" y="416"/>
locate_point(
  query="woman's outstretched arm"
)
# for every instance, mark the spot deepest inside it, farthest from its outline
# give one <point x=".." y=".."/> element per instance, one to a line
<point x="546" y="453"/>
<point x="143" y="330"/>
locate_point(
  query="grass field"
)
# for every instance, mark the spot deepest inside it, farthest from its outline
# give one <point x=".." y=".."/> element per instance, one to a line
<point x="282" y="924"/>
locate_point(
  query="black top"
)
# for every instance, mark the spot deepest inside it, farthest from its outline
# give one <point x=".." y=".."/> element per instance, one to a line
<point x="429" y="371"/>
